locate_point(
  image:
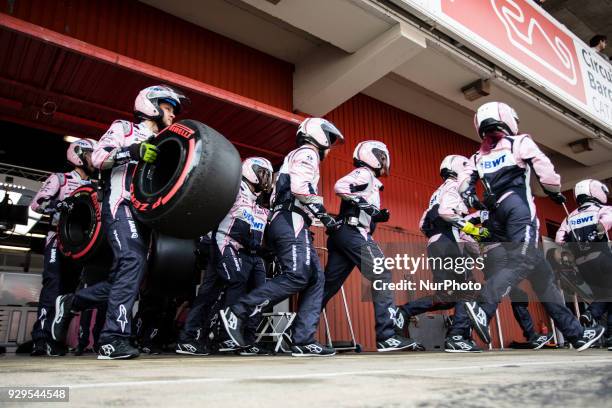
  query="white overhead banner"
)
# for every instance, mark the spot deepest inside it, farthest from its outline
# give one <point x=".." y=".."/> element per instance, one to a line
<point x="523" y="38"/>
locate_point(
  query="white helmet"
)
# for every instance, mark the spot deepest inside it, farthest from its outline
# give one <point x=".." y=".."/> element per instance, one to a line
<point x="496" y="116"/>
<point x="258" y="171"/>
<point x="452" y="165"/>
<point x="373" y="154"/>
<point x="77" y="149"/>
<point x="146" y="105"/>
<point x="591" y="190"/>
<point x="319" y="132"/>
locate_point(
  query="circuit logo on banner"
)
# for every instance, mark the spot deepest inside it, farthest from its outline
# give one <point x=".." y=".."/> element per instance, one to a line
<point x="597" y="74"/>
<point x="528" y="34"/>
<point x="524" y="38"/>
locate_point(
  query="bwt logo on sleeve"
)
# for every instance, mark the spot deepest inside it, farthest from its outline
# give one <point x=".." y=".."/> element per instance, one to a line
<point x="491" y="164"/>
<point x="255" y="223"/>
<point x="586" y="220"/>
<point x="495" y="161"/>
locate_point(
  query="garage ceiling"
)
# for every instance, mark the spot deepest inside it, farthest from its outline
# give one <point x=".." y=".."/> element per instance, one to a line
<point x="56" y="83"/>
<point x="584" y="17"/>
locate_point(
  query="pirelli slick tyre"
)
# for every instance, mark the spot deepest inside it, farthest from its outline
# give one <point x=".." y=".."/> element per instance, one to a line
<point x="192" y="184"/>
<point x="80" y="230"/>
<point x="172" y="265"/>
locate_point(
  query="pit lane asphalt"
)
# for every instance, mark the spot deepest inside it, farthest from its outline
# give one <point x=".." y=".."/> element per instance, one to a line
<point x="511" y="378"/>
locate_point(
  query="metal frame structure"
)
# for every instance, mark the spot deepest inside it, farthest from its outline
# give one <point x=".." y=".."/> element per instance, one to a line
<point x="25" y="172"/>
<point x="354" y="345"/>
<point x="274" y="329"/>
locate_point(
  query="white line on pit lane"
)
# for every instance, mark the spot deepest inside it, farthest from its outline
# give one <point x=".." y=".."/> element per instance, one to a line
<point x="508" y="364"/>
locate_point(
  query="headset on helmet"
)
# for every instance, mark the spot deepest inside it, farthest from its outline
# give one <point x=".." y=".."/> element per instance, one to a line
<point x="452" y="165"/>
<point x="494" y="116"/>
<point x="319" y="132"/>
<point x="372" y="154"/>
<point x="77" y="149"/>
<point x="591" y="190"/>
<point x="146" y="105"/>
<point x="258" y="171"/>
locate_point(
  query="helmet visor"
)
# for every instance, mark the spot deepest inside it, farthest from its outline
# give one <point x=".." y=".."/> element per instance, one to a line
<point x="169" y="95"/>
<point x="383" y="159"/>
<point x="264" y="176"/>
<point x="333" y="134"/>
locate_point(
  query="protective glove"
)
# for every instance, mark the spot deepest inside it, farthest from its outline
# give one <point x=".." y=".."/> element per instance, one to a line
<point x="202" y="252"/>
<point x="329" y="223"/>
<point x="477" y="232"/>
<point x="144" y="151"/>
<point x="64" y="205"/>
<point x="490" y="201"/>
<point x="382" y="216"/>
<point x="319" y="212"/>
<point x="252" y="246"/>
<point x="472" y="201"/>
<point x="556" y="197"/>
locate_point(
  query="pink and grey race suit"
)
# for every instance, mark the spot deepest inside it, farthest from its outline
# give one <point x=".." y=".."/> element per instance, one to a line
<point x="505" y="172"/>
<point x="237" y="267"/>
<point x="56" y="188"/>
<point x="291" y="239"/>
<point x="352" y="245"/>
<point x="590" y="224"/>
<point x="126" y="236"/>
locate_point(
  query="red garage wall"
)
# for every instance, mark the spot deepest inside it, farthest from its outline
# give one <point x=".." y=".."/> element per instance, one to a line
<point x="144" y="33"/>
<point x="417" y="148"/>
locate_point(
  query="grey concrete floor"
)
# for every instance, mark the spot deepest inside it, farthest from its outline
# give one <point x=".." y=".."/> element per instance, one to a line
<point x="560" y="378"/>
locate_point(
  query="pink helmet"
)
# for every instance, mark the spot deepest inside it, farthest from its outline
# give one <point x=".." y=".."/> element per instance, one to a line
<point x="496" y="116"/>
<point x="591" y="190"/>
<point x="146" y="105"/>
<point x="372" y="154"/>
<point x="77" y="150"/>
<point x="258" y="171"/>
<point x="319" y="132"/>
<point x="452" y="166"/>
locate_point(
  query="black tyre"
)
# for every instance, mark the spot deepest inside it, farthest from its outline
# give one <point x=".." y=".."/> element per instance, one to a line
<point x="80" y="230"/>
<point x="172" y="265"/>
<point x="193" y="183"/>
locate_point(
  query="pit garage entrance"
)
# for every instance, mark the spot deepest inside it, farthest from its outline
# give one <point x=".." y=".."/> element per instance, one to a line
<point x="54" y="88"/>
